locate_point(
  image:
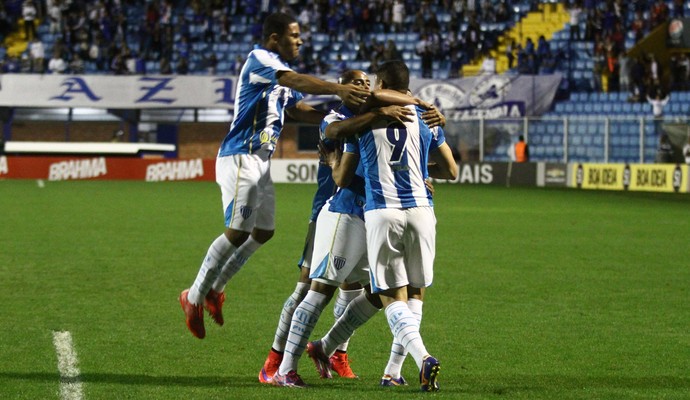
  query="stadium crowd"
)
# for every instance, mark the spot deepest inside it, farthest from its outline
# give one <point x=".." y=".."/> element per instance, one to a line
<point x="177" y="36"/>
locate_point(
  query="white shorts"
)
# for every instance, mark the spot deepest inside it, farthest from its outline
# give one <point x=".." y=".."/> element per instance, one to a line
<point x="340" y="249"/>
<point x="401" y="244"/>
<point x="247" y="190"/>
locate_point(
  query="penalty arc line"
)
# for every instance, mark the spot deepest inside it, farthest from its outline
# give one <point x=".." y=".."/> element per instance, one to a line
<point x="70" y="385"/>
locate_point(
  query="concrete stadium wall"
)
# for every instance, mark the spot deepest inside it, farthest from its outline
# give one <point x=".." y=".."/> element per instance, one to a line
<point x="195" y="140"/>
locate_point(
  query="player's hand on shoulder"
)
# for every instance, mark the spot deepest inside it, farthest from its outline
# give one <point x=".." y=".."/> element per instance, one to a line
<point x="396" y="113"/>
<point x="433" y="117"/>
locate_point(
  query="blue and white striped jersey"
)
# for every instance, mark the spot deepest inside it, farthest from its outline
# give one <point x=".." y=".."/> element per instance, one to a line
<point x="395" y="161"/>
<point x="260" y="103"/>
<point x="349" y="200"/>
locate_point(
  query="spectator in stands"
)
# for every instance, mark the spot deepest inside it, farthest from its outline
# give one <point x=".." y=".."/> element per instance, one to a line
<point x="224" y="28"/>
<point x="664" y="154"/>
<point x="165" y="67"/>
<point x="612" y="71"/>
<point x="37" y="54"/>
<point x="638" y="81"/>
<point x="547" y="65"/>
<point x="425" y="51"/>
<point x="57" y="64"/>
<point x="333" y="24"/>
<point x="398" y="17"/>
<point x="488" y="65"/>
<point x="182" y="67"/>
<point x="340" y="64"/>
<point x="236" y="66"/>
<point x="76" y="65"/>
<point x="598" y="65"/>
<point x="29" y="14"/>
<point x="659" y="13"/>
<point x="658" y="103"/>
<point x="118" y="65"/>
<point x="624" y="72"/>
<point x="639" y="26"/>
<point x="211" y="64"/>
<point x="519" y="151"/>
<point x="11" y="64"/>
<point x="391" y="51"/>
<point x="686" y="151"/>
<point x="54" y="16"/>
<point x="25" y="63"/>
<point x="363" y="51"/>
<point x="350" y="23"/>
<point x="575" y="12"/>
<point x="510" y="53"/>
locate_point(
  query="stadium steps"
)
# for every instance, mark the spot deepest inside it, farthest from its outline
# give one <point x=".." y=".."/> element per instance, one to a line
<point x="15" y="43"/>
<point x="550" y="18"/>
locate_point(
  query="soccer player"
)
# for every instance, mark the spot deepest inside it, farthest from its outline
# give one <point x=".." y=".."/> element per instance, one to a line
<point x="399" y="220"/>
<point x="326" y="187"/>
<point x="268" y="89"/>
<point x="340" y="246"/>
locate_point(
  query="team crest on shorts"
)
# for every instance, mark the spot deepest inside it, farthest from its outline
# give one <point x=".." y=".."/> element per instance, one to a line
<point x="338" y="262"/>
<point x="246" y="211"/>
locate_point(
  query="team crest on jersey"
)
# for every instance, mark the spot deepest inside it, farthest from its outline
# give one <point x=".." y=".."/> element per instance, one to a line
<point x="245" y="211"/>
<point x="338" y="262"/>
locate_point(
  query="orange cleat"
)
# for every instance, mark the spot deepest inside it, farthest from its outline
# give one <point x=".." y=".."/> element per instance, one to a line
<point x="213" y="303"/>
<point x="270" y="366"/>
<point x="194" y="316"/>
<point x="341" y="365"/>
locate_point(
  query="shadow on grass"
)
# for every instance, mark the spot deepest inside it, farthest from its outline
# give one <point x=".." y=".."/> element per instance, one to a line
<point x="133" y="379"/>
<point x="505" y="384"/>
<point x="487" y="384"/>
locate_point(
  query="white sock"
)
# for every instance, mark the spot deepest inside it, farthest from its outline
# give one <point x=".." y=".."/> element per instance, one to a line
<point x="216" y="256"/>
<point x="303" y="321"/>
<point x="359" y="311"/>
<point x="405" y="329"/>
<point x="344" y="298"/>
<point x="285" y="320"/>
<point x="235" y="262"/>
<point x="398" y="352"/>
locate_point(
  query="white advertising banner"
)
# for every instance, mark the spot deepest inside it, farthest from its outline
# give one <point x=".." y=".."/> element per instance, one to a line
<point x="489" y="96"/>
<point x="124" y="92"/>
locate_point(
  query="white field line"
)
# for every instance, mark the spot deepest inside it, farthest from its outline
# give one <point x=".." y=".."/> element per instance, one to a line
<point x="70" y="385"/>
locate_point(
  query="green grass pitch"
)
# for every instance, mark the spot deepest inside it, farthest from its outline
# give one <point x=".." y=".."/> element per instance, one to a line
<point x="538" y="294"/>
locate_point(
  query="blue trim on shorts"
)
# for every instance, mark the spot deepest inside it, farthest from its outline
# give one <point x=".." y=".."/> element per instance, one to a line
<point x="229" y="212"/>
<point x="320" y="270"/>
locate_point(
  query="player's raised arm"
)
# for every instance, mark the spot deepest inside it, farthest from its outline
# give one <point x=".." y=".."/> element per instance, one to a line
<point x="312" y="85"/>
<point x="385" y="97"/>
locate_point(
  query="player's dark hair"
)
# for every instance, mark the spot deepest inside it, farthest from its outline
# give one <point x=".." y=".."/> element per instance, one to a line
<point x="347" y="76"/>
<point x="276" y="23"/>
<point x="394" y="74"/>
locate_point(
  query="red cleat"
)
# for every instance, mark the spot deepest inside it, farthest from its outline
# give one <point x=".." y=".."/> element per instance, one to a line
<point x="320" y="359"/>
<point x="213" y="303"/>
<point x="341" y="365"/>
<point x="194" y="316"/>
<point x="292" y="379"/>
<point x="270" y="366"/>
